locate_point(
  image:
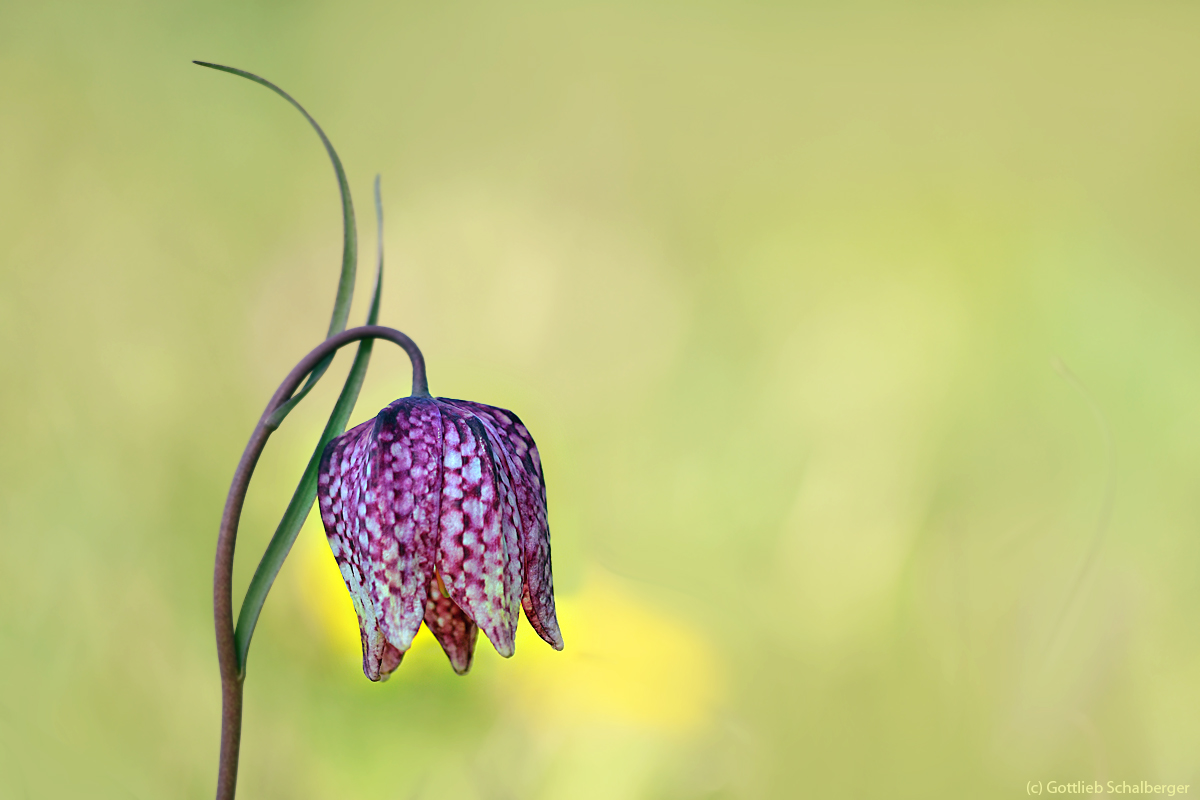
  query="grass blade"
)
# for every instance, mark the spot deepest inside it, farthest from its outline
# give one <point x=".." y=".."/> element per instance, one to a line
<point x="306" y="491"/>
<point x="345" y="290"/>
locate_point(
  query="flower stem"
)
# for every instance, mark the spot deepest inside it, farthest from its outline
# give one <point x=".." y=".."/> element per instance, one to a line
<point x="233" y="673"/>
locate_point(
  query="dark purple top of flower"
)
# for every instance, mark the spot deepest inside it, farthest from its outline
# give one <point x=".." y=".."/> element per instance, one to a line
<point x="436" y="512"/>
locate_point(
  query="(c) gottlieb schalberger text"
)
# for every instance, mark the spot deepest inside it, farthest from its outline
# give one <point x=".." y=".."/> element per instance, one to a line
<point x="1093" y="788"/>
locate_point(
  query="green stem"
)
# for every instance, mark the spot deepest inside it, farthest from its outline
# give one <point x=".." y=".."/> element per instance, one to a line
<point x="232" y="668"/>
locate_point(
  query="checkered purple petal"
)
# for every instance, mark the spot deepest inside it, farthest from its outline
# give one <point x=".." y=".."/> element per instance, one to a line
<point x="453" y="629"/>
<point x="341" y="491"/>
<point x="509" y="437"/>
<point x="402" y="501"/>
<point x="473" y="554"/>
<point x="378" y="491"/>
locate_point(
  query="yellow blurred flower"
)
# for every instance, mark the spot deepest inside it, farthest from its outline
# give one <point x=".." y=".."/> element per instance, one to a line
<point x="625" y="661"/>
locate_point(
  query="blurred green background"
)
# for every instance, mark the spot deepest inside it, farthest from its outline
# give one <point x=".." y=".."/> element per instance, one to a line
<point x="779" y="289"/>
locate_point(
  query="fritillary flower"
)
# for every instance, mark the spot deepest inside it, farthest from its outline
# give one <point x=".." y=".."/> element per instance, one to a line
<point x="436" y="513"/>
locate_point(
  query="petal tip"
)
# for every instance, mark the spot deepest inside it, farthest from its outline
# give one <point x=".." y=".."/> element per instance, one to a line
<point x="378" y="667"/>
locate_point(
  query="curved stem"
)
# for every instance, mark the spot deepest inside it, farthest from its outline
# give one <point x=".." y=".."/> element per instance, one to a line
<point x="232" y="673"/>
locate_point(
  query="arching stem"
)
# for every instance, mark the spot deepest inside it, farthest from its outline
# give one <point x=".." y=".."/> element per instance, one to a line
<point x="233" y="673"/>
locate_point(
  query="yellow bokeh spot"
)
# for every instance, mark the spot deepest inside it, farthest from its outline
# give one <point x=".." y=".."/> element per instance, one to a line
<point x="625" y="661"/>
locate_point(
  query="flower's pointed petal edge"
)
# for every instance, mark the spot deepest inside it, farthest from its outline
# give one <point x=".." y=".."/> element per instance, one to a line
<point x="401" y="510"/>
<point x="341" y="488"/>
<point x="471" y="555"/>
<point x="380" y="659"/>
<point x="512" y="438"/>
<point x="544" y="624"/>
<point x="389" y="660"/>
<point x="453" y="629"/>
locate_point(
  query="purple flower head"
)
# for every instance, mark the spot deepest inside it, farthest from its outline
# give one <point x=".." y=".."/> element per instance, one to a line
<point x="436" y="512"/>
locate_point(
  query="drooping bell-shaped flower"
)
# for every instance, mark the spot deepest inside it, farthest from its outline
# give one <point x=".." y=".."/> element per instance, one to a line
<point x="436" y="513"/>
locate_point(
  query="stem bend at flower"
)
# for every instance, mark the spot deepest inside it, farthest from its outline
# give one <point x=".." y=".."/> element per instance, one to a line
<point x="232" y="671"/>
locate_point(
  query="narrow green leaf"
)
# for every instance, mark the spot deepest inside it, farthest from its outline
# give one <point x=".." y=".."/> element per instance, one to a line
<point x="302" y="499"/>
<point x="373" y="314"/>
<point x="345" y="290"/>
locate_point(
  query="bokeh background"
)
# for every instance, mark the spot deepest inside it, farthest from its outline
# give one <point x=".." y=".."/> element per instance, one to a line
<point x="860" y="340"/>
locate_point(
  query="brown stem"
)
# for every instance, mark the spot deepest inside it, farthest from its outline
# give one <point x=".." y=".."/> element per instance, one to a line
<point x="232" y="673"/>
